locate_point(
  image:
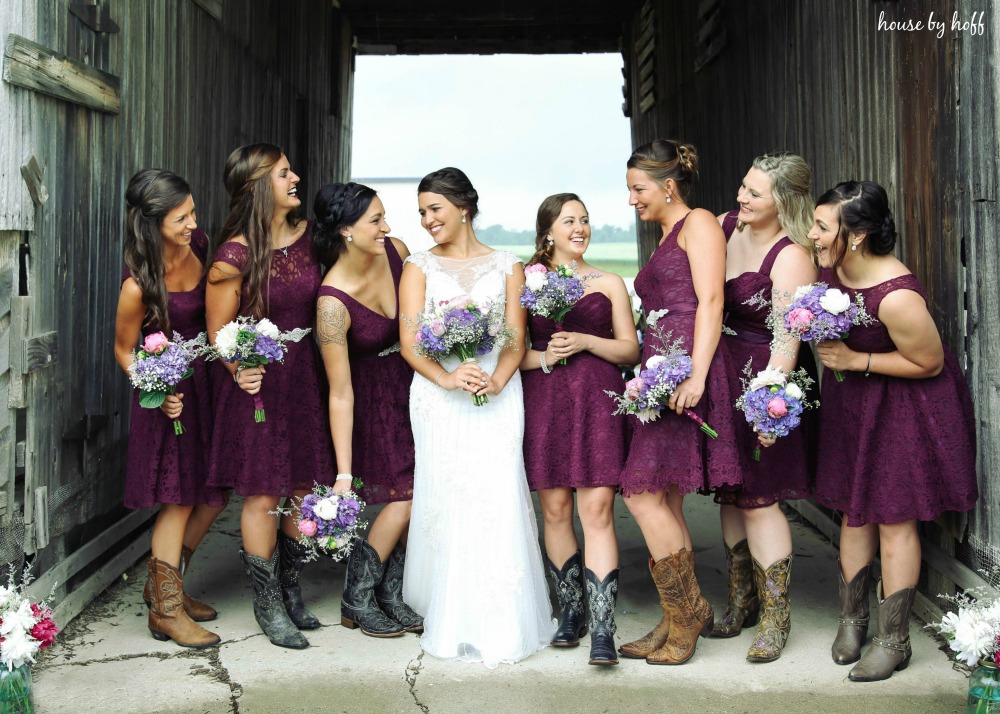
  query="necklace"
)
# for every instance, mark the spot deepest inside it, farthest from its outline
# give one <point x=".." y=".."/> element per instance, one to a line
<point x="284" y="250"/>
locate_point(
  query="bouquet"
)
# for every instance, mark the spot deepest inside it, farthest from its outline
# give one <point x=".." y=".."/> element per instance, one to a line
<point x="773" y="402"/>
<point x="552" y="293"/>
<point x="461" y="328"/>
<point x="818" y="312"/>
<point x="253" y="343"/>
<point x="329" y="521"/>
<point x="647" y="395"/>
<point x="160" y="364"/>
<point x="25" y="627"/>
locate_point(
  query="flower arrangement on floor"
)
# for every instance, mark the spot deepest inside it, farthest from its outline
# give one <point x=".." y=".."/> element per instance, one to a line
<point x="552" y="293"/>
<point x="818" y="312"/>
<point x="160" y="364"/>
<point x="330" y="520"/>
<point x="26" y="628"/>
<point x="773" y="402"/>
<point x="647" y="395"/>
<point x="461" y="328"/>
<point x="252" y="343"/>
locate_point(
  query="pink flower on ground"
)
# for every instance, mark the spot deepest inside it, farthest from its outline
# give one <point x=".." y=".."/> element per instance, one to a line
<point x="307" y="528"/>
<point x="777" y="407"/>
<point x="45" y="632"/>
<point x="800" y="318"/>
<point x="155" y="343"/>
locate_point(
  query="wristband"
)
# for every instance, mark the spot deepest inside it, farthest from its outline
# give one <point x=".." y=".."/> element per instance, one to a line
<point x="437" y="379"/>
<point x="345" y="477"/>
<point x="868" y="369"/>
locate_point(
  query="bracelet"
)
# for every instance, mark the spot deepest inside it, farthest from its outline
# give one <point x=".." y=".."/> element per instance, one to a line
<point x="238" y="372"/>
<point x="545" y="367"/>
<point x="868" y="369"/>
<point x="437" y="379"/>
<point x="345" y="477"/>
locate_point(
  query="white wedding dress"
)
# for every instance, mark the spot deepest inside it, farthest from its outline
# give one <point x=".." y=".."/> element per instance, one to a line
<point x="473" y="566"/>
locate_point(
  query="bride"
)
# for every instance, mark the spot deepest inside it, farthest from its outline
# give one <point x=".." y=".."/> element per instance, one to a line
<point x="474" y="569"/>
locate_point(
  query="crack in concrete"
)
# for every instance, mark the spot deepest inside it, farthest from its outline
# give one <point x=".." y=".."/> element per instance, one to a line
<point x="220" y="674"/>
<point x="183" y="653"/>
<point x="412" y="670"/>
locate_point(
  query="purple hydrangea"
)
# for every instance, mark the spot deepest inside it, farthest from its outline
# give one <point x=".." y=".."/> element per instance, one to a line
<point x="268" y="348"/>
<point x="160" y="372"/>
<point x="755" y="409"/>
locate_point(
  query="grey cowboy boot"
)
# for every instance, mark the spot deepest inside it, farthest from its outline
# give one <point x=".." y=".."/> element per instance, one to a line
<point x="853" y="615"/>
<point x="389" y="592"/>
<point x="268" y="607"/>
<point x="890" y="649"/>
<point x="357" y="606"/>
<point x="293" y="559"/>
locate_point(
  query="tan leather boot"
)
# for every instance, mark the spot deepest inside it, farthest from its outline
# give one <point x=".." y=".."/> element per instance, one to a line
<point x="775" y="610"/>
<point x="196" y="610"/>
<point x="743" y="607"/>
<point x="890" y="650"/>
<point x="853" y="615"/>
<point x="652" y="641"/>
<point x="689" y="617"/>
<point x="167" y="618"/>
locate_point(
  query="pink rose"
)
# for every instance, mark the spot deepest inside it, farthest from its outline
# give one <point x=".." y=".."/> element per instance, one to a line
<point x="800" y="318"/>
<point x="536" y="268"/>
<point x="633" y="387"/>
<point x="437" y="328"/>
<point x="777" y="407"/>
<point x="307" y="528"/>
<point x="155" y="343"/>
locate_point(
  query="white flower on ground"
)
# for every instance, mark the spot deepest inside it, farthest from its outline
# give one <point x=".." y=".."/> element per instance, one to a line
<point x="835" y="301"/>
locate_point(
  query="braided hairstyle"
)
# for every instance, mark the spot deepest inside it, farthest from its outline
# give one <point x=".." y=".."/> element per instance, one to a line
<point x="251" y="208"/>
<point x="454" y="185"/>
<point x="336" y="206"/>
<point x="666" y="159"/>
<point x="790" y="177"/>
<point x="863" y="207"/>
<point x="548" y="213"/>
<point x="150" y="196"/>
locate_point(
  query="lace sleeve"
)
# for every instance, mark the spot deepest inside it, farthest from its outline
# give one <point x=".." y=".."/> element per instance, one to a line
<point x="423" y="260"/>
<point x="507" y="260"/>
<point x="233" y="253"/>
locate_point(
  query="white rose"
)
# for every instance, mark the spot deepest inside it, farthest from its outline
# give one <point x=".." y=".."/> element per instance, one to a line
<point x="792" y="390"/>
<point x="834" y="301"/>
<point x="802" y="291"/>
<point x="535" y="281"/>
<point x="225" y="339"/>
<point x="268" y="329"/>
<point x="327" y="508"/>
<point x="655" y="360"/>
<point x="768" y="377"/>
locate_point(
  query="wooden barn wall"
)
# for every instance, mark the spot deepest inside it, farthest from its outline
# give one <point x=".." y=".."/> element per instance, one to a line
<point x="197" y="79"/>
<point x="915" y="112"/>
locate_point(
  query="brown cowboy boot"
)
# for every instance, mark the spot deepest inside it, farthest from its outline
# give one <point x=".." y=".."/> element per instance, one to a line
<point x="683" y="602"/>
<point x="196" y="610"/>
<point x="853" y="615"/>
<point x="776" y="610"/>
<point x="167" y="618"/>
<point x="890" y="650"/>
<point x="743" y="608"/>
<point x="646" y="645"/>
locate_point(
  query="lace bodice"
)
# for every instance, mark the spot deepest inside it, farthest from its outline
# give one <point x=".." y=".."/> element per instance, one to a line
<point x="481" y="277"/>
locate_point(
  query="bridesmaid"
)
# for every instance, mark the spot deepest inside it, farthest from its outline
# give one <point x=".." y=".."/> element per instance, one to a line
<point x="266" y="267"/>
<point x="684" y="282"/>
<point x="571" y="440"/>
<point x="769" y="255"/>
<point x="897" y="436"/>
<point x="357" y="328"/>
<point x="163" y="289"/>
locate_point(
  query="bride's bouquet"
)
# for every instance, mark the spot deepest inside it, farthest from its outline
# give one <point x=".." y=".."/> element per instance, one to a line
<point x="773" y="402"/>
<point x="552" y="293"/>
<point x="330" y="520"/>
<point x="461" y="328"/>
<point x="160" y="364"/>
<point x="253" y="343"/>
<point x="818" y="312"/>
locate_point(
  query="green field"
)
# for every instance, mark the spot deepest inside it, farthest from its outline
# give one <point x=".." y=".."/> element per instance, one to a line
<point x="620" y="258"/>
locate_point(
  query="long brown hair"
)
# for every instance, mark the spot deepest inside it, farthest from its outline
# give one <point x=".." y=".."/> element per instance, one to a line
<point x="150" y="196"/>
<point x="548" y="212"/>
<point x="247" y="178"/>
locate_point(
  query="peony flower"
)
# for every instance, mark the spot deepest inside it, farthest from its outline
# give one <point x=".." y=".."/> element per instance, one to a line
<point x="800" y="318"/>
<point x="655" y="360"/>
<point x="226" y="339"/>
<point x="768" y="377"/>
<point x="792" y="391"/>
<point x="835" y="301"/>
<point x="155" y="343"/>
<point x="437" y="328"/>
<point x="326" y="508"/>
<point x="777" y="407"/>
<point x="307" y="527"/>
<point x="535" y="281"/>
<point x="45" y="632"/>
<point x="535" y="268"/>
<point x="268" y="329"/>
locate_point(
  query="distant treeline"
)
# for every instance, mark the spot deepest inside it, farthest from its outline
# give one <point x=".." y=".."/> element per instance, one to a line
<point x="505" y="236"/>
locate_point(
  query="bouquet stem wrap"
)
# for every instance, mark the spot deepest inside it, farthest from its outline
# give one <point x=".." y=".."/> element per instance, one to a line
<point x="258" y="408"/>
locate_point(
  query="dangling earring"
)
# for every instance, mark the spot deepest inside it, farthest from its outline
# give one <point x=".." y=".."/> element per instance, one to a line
<point x="668" y="198"/>
<point x="854" y="246"/>
<point x="349" y="239"/>
<point x="549" y="240"/>
<point x="463" y="218"/>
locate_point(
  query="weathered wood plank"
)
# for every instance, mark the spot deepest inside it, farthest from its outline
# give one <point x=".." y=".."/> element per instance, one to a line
<point x="40" y="351"/>
<point x="30" y="65"/>
<point x="19" y="308"/>
<point x="32" y="172"/>
<point x="212" y="7"/>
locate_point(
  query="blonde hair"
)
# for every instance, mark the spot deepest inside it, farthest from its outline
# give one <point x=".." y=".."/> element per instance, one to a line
<point x="790" y="178"/>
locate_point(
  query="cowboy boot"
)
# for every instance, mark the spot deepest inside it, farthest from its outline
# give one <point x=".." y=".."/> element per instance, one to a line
<point x="167" y="619"/>
<point x="268" y="607"/>
<point x="680" y="592"/>
<point x="293" y="559"/>
<point x="389" y="592"/>
<point x="653" y="640"/>
<point x="568" y="582"/>
<point x="743" y="607"/>
<point x="196" y="610"/>
<point x="775" y="608"/>
<point x="358" y="607"/>
<point x="853" y="615"/>
<point x="601" y="598"/>
<point x="890" y="649"/>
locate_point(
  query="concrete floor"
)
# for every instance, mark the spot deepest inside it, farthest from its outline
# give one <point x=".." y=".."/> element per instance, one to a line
<point x="106" y="661"/>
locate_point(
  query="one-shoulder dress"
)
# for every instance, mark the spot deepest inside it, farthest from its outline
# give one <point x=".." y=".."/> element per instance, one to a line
<point x="571" y="438"/>
<point x="785" y="470"/>
<point x="164" y="467"/>
<point x="894" y="449"/>
<point x="673" y="451"/>
<point x="291" y="449"/>
<point x="382" y="443"/>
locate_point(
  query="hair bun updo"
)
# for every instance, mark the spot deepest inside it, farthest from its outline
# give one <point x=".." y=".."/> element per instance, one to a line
<point x="336" y="206"/>
<point x="882" y="241"/>
<point x="666" y="159"/>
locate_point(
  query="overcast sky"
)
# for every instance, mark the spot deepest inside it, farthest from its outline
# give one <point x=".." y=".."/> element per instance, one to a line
<point x="522" y="127"/>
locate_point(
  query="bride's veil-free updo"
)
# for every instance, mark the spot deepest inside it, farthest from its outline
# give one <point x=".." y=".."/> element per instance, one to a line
<point x="454" y="185"/>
